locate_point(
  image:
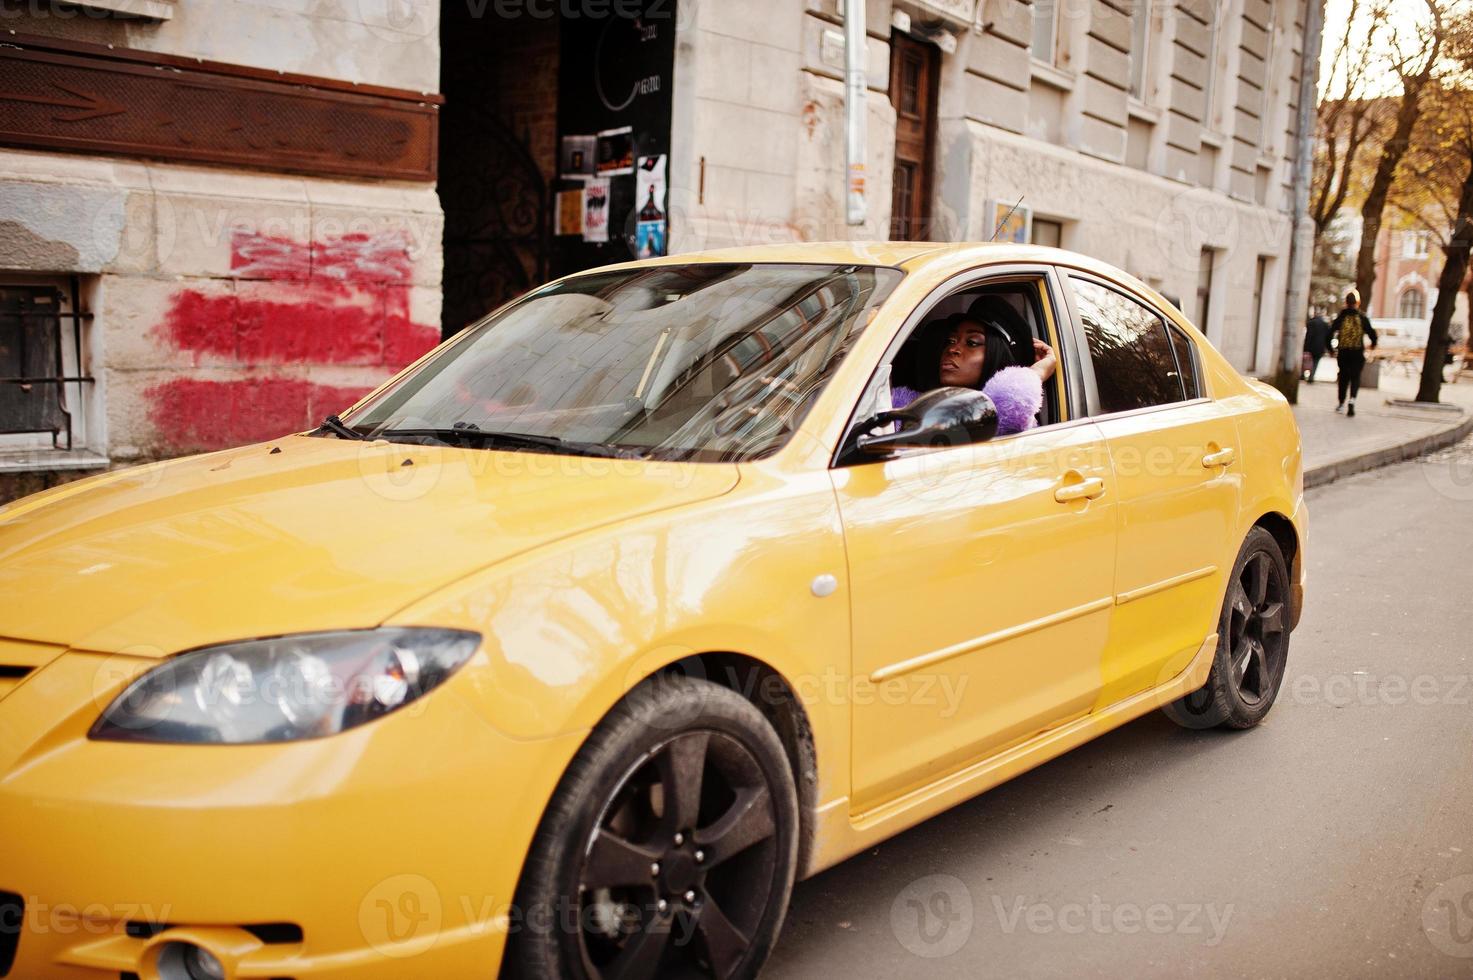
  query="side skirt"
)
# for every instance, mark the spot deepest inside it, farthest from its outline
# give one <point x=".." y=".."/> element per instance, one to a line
<point x="840" y="834"/>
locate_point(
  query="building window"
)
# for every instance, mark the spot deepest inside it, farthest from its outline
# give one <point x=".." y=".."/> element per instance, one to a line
<point x="1045" y="29"/>
<point x="1140" y="40"/>
<point x="44" y="383"/>
<point x="1260" y="279"/>
<point x="1412" y="305"/>
<point x="1209" y="87"/>
<point x="1414" y="244"/>
<point x="1270" y="90"/>
<point x="1204" y="287"/>
<point x="1050" y="233"/>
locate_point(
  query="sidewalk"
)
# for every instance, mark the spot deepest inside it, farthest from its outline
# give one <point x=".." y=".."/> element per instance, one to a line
<point x="1336" y="446"/>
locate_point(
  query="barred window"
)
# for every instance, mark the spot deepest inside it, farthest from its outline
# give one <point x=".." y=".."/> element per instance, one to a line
<point x="43" y="371"/>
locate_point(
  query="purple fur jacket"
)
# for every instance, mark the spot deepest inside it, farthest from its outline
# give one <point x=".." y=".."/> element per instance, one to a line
<point x="1016" y="391"/>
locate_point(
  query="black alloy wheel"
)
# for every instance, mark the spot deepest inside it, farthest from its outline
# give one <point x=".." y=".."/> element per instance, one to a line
<point x="1252" y="643"/>
<point x="1257" y="630"/>
<point x="670" y="846"/>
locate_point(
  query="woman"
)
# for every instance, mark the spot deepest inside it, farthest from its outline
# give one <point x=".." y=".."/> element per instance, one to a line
<point x="978" y="354"/>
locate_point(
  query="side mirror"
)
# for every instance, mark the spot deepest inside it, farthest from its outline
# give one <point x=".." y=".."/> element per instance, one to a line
<point x="943" y="417"/>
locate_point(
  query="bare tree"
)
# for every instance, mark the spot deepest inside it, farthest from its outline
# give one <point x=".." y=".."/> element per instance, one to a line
<point x="1415" y="58"/>
<point x="1439" y="190"/>
<point x="1345" y="118"/>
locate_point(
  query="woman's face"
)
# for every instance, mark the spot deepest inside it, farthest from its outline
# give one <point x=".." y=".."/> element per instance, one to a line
<point x="961" y="358"/>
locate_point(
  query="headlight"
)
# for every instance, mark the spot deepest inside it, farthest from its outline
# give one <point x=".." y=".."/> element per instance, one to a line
<point x="282" y="690"/>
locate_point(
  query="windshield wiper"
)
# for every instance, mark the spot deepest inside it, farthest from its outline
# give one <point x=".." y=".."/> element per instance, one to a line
<point x="338" y="428"/>
<point x="464" y="432"/>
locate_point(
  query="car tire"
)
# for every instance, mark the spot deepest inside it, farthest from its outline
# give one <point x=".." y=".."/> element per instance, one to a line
<point x="669" y="847"/>
<point x="1252" y="643"/>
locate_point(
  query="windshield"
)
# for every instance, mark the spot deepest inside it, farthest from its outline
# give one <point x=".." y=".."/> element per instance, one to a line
<point x="699" y="361"/>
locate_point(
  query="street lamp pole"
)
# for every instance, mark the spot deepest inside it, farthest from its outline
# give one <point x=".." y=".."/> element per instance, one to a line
<point x="855" y="118"/>
<point x="1301" y="234"/>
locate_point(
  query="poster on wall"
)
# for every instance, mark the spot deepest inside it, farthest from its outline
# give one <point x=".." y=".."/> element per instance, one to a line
<point x="570" y="212"/>
<point x="1011" y="223"/>
<point x="616" y="76"/>
<point x="577" y="157"/>
<point x="616" y="151"/>
<point x="651" y="222"/>
<point x="596" y="210"/>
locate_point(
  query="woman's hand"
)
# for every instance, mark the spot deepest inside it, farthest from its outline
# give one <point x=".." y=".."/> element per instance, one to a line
<point x="1045" y="361"/>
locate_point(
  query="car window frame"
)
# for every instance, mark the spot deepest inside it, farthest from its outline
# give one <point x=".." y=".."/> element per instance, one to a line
<point x="1081" y="340"/>
<point x="1069" y="373"/>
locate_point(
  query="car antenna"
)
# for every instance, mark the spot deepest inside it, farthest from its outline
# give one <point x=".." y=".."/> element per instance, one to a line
<point x="1005" y="219"/>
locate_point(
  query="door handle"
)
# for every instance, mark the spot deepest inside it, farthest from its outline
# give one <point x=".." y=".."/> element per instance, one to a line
<point x="1083" y="490"/>
<point x="1223" y="457"/>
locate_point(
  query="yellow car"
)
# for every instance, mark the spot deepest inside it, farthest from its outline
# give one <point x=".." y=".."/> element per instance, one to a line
<point x="568" y="650"/>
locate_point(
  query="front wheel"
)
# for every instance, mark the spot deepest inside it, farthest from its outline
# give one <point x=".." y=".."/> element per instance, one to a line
<point x="669" y="848"/>
<point x="1252" y="643"/>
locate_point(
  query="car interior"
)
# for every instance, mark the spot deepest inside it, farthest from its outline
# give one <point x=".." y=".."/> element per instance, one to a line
<point x="1014" y="307"/>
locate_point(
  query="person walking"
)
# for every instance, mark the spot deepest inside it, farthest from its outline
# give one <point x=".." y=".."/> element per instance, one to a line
<point x="1316" y="342"/>
<point x="1350" y="330"/>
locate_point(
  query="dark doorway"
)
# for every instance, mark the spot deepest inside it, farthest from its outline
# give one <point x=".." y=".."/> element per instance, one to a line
<point x="914" y="71"/>
<point x="546" y="112"/>
<point x="498" y="155"/>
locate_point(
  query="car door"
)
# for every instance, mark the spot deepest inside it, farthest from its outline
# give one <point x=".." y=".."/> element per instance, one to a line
<point x="981" y="587"/>
<point x="1177" y="488"/>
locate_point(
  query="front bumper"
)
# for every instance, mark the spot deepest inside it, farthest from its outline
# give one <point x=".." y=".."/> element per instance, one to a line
<point x="394" y="849"/>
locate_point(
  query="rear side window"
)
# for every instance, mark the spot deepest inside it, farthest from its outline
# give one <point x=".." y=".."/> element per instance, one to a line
<point x="1135" y="366"/>
<point x="1186" y="361"/>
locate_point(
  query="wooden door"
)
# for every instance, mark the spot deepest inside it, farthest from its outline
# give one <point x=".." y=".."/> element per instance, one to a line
<point x="914" y="71"/>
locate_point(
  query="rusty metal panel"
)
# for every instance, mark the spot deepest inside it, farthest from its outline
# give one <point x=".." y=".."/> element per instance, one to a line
<point x="64" y="97"/>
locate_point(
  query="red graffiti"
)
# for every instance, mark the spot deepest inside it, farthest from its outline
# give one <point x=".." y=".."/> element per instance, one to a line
<point x="358" y="258"/>
<point x="197" y="414"/>
<point x="278" y="324"/>
<point x="340" y="302"/>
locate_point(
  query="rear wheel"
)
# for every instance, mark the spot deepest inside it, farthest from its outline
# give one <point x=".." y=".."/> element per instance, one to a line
<point x="669" y="848"/>
<point x="1252" y="643"/>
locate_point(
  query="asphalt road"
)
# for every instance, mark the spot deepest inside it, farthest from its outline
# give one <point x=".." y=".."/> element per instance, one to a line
<point x="1328" y="842"/>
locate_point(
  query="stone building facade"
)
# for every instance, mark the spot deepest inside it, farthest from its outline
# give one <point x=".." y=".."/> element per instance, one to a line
<point x="1154" y="134"/>
<point x="206" y="295"/>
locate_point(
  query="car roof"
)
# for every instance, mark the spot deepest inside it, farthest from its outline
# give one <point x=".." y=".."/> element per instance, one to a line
<point x="898" y="254"/>
<point x="910" y="256"/>
<point x="941" y="259"/>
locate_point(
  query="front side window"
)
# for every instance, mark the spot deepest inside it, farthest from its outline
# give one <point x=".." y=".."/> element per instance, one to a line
<point x="1134" y="364"/>
<point x="702" y="361"/>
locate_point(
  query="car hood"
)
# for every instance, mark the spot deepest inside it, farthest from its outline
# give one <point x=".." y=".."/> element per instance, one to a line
<point x="298" y="535"/>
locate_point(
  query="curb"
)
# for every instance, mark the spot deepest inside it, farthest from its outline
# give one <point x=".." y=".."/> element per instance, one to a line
<point x="1330" y="472"/>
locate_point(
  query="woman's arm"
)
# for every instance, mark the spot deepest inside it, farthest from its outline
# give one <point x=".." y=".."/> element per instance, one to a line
<point x="1017" y="392"/>
<point x="1045" y="361"/>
